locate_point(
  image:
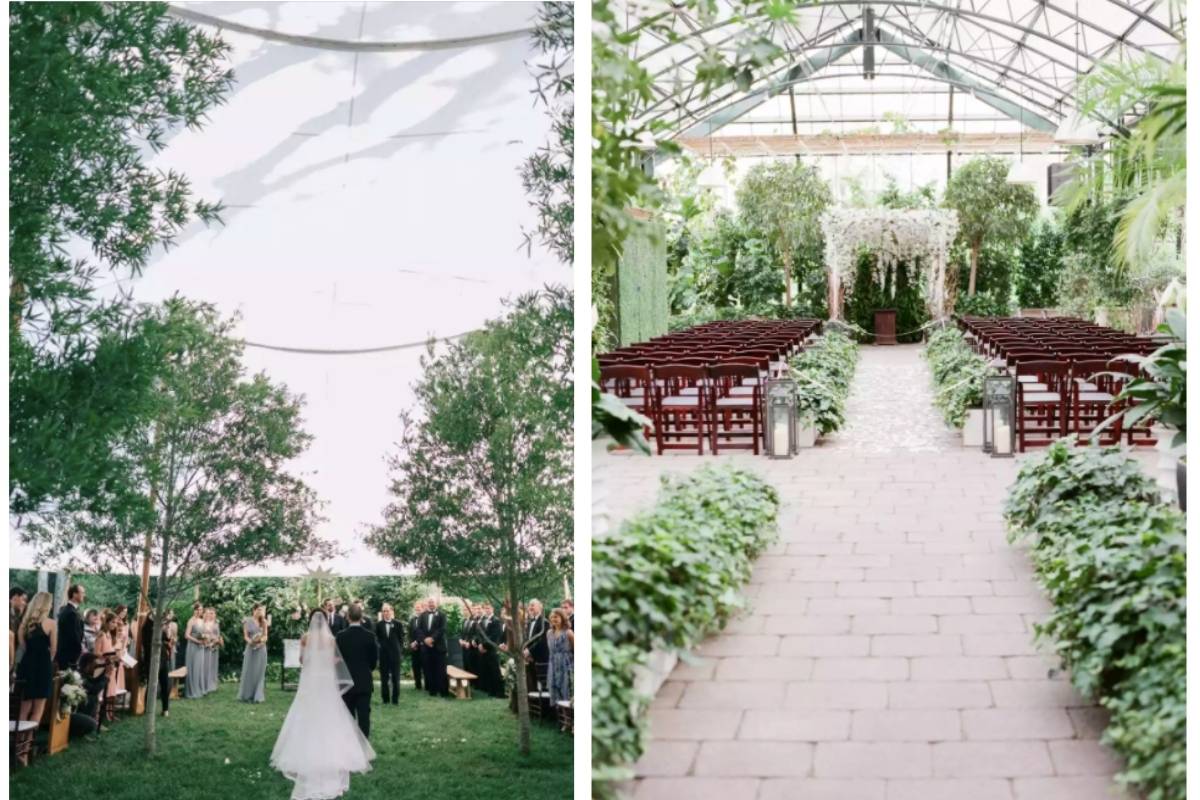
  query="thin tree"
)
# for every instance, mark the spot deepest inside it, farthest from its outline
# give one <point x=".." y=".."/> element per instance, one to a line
<point x="784" y="200"/>
<point x="94" y="91"/>
<point x="989" y="207"/>
<point x="206" y="489"/>
<point x="481" y="483"/>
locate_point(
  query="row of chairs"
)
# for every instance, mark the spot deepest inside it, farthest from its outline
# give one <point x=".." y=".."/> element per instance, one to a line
<point x="1068" y="375"/>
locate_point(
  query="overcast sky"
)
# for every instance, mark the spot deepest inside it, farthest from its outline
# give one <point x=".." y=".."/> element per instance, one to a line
<point x="373" y="199"/>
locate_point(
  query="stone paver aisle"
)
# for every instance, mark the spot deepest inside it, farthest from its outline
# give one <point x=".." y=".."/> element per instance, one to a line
<point x="888" y="653"/>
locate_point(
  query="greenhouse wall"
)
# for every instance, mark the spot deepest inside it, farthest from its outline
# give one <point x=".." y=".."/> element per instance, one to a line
<point x="642" y="308"/>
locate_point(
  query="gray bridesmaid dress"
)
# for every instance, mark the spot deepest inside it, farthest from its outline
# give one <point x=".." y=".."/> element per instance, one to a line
<point x="209" y="667"/>
<point x="254" y="667"/>
<point x="193" y="659"/>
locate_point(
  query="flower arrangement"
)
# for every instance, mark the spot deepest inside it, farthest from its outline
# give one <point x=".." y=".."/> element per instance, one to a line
<point x="72" y="694"/>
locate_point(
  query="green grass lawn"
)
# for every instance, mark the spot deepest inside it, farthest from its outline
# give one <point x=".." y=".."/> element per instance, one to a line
<point x="216" y="747"/>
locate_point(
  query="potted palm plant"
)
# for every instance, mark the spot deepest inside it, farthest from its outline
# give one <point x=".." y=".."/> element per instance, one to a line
<point x="1160" y="394"/>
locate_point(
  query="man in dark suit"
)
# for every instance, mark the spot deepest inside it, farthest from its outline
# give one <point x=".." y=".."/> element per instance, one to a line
<point x="414" y="645"/>
<point x="337" y="623"/>
<point x="537" y="649"/>
<point x="70" y="629"/>
<point x="468" y="638"/>
<point x="568" y="606"/>
<point x="431" y="633"/>
<point x="144" y="641"/>
<point x="360" y="652"/>
<point x="492" y="630"/>
<point x="390" y="634"/>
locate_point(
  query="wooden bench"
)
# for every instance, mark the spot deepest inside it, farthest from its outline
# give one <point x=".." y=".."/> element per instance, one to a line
<point x="176" y="675"/>
<point x="460" y="681"/>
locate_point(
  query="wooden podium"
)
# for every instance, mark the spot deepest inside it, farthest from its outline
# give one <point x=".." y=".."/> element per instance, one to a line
<point x="60" y="729"/>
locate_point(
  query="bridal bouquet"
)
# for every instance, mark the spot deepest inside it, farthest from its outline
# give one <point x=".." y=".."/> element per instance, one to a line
<point x="258" y="640"/>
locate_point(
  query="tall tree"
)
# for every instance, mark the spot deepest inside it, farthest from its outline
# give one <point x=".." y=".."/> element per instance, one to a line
<point x="989" y="207"/>
<point x="206" y="489"/>
<point x="482" y="481"/>
<point x="784" y="200"/>
<point x="93" y="89"/>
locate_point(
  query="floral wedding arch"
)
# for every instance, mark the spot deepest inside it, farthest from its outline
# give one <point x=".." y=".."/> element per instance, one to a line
<point x="915" y="236"/>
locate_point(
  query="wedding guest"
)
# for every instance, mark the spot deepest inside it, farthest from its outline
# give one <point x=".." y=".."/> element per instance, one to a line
<point x="254" y="661"/>
<point x="414" y="645"/>
<point x="467" y="641"/>
<point x="560" y="641"/>
<point x="360" y="652"/>
<point x="568" y="606"/>
<point x="171" y="633"/>
<point x="91" y="626"/>
<point x="70" y="628"/>
<point x="145" y="640"/>
<point x="193" y="659"/>
<point x="390" y="635"/>
<point x="536" y="649"/>
<point x="210" y="666"/>
<point x="493" y="636"/>
<point x="431" y="633"/>
<point x="17" y="599"/>
<point x="121" y="644"/>
<point x="38" y="635"/>
<point x="106" y="651"/>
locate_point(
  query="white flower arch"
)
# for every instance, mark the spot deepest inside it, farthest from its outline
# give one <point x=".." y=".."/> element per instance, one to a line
<point x="916" y="236"/>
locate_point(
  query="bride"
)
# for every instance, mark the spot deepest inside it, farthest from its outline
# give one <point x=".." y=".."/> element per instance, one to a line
<point x="320" y="743"/>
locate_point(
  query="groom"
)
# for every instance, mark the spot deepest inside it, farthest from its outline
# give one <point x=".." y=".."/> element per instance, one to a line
<point x="360" y="652"/>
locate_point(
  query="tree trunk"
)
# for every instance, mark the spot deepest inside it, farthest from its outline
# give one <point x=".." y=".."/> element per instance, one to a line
<point x="787" y="278"/>
<point x="974" y="268"/>
<point x="160" y="609"/>
<point x="519" y="663"/>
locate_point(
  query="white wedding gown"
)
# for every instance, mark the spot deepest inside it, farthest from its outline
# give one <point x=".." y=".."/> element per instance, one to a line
<point x="320" y="744"/>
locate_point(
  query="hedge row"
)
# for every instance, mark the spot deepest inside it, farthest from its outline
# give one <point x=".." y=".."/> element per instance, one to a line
<point x="958" y="373"/>
<point x="1113" y="560"/>
<point x="823" y="373"/>
<point x="667" y="580"/>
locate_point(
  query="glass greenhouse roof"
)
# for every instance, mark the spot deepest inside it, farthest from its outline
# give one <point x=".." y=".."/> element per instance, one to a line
<point x="852" y="64"/>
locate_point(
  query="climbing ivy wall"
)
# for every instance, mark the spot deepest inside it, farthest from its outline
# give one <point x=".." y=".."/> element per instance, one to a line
<point x="641" y="285"/>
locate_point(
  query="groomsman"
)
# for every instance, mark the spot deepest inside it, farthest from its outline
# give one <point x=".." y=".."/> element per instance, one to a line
<point x="492" y="636"/>
<point x="337" y="623"/>
<point x="414" y="644"/>
<point x="537" y="649"/>
<point x="468" y="639"/>
<point x="360" y="652"/>
<point x="390" y="634"/>
<point x="431" y="633"/>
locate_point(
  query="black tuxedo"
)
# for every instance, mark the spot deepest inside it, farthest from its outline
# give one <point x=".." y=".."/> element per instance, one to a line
<point x="337" y="623"/>
<point x="470" y="652"/>
<point x="432" y="625"/>
<point x="392" y="641"/>
<point x="414" y="651"/>
<point x="144" y="641"/>
<point x="490" y="680"/>
<point x="360" y="653"/>
<point x="70" y="637"/>
<point x="535" y="639"/>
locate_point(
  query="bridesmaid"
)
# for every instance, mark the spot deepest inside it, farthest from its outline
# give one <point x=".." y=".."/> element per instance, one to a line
<point x="211" y="666"/>
<point x="254" y="661"/>
<point x="193" y="632"/>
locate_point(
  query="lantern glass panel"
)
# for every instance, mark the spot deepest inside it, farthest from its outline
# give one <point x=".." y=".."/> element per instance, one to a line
<point x="999" y="399"/>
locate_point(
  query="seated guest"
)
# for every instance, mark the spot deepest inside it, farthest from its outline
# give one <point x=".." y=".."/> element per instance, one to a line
<point x="70" y="629"/>
<point x="560" y="641"/>
<point x="38" y="636"/>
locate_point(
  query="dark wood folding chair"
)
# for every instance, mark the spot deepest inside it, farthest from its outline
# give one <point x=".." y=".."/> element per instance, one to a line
<point x="680" y="407"/>
<point x="1042" y="402"/>
<point x="736" y="415"/>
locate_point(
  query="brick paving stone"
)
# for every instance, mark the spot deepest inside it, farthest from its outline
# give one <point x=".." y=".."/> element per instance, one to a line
<point x="890" y="537"/>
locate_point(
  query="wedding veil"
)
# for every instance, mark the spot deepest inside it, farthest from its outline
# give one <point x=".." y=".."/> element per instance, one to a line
<point x="321" y="661"/>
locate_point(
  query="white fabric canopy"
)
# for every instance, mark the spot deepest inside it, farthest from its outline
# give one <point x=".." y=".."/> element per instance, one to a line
<point x="373" y="198"/>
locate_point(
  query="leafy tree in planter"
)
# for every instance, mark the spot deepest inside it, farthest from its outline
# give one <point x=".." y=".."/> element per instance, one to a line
<point x="989" y="208"/>
<point x="206" y="489"/>
<point x="83" y="116"/>
<point x="481" y="485"/>
<point x="784" y="200"/>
